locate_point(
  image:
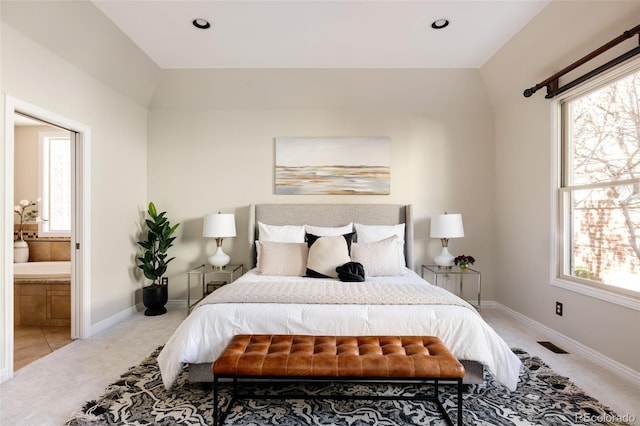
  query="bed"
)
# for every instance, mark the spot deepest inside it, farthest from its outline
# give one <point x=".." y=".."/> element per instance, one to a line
<point x="273" y="298"/>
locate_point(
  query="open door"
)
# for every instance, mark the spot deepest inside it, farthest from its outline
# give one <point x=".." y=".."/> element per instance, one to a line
<point x="80" y="297"/>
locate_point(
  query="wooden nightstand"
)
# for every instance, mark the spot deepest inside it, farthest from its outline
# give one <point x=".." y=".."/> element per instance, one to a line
<point x="210" y="279"/>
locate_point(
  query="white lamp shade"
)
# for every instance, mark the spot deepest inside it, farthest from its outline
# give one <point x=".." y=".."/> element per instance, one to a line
<point x="447" y="226"/>
<point x="219" y="225"/>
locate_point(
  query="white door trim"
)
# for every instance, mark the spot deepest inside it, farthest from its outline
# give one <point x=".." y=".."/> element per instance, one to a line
<point x="80" y="238"/>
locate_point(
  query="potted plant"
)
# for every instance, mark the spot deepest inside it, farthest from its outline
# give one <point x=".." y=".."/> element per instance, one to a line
<point x="154" y="260"/>
<point x="28" y="213"/>
<point x="463" y="261"/>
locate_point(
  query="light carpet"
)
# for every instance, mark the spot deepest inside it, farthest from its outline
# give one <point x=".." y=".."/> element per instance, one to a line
<point x="542" y="398"/>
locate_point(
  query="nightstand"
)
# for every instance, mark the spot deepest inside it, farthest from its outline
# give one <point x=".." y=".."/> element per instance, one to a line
<point x="445" y="271"/>
<point x="210" y="279"/>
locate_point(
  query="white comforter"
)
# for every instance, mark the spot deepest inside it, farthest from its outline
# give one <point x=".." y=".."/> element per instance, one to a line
<point x="205" y="333"/>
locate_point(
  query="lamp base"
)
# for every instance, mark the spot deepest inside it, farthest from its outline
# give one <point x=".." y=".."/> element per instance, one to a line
<point x="219" y="259"/>
<point x="444" y="258"/>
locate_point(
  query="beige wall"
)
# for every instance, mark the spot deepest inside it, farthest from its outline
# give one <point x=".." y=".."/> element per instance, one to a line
<point x="26" y="162"/>
<point x="25" y="154"/>
<point x="523" y="174"/>
<point x="118" y="126"/>
<point x="79" y="33"/>
<point x="211" y="147"/>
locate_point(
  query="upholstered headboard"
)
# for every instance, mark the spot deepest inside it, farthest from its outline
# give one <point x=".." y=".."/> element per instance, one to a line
<point x="332" y="215"/>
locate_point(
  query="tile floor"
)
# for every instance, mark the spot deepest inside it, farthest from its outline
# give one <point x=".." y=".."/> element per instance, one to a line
<point x="34" y="342"/>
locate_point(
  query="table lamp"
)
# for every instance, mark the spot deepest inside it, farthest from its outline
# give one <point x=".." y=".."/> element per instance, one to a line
<point x="446" y="226"/>
<point x="219" y="226"/>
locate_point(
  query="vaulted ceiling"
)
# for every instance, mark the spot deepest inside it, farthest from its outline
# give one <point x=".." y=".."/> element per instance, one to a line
<point x="320" y="34"/>
<point x="130" y="44"/>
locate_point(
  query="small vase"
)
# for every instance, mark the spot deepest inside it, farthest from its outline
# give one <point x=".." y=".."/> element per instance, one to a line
<point x="20" y="251"/>
<point x="464" y="268"/>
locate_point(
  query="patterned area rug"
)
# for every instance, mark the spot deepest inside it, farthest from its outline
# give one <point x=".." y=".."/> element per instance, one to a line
<point x="542" y="398"/>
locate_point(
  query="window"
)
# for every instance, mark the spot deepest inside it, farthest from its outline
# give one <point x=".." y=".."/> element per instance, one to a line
<point x="598" y="232"/>
<point x="55" y="184"/>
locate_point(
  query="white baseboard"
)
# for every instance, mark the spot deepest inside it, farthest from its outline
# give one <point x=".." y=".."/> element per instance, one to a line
<point x="107" y="323"/>
<point x="177" y="303"/>
<point x="570" y="344"/>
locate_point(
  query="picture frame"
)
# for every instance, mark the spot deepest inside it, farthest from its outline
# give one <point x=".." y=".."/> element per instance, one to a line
<point x="332" y="166"/>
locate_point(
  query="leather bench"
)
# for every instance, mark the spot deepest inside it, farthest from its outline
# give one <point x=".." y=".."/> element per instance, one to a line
<point x="416" y="359"/>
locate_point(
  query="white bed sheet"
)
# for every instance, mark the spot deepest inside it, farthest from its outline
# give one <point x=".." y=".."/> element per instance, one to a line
<point x="204" y="334"/>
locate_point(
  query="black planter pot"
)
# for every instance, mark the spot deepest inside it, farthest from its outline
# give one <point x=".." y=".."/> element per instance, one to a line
<point x="154" y="298"/>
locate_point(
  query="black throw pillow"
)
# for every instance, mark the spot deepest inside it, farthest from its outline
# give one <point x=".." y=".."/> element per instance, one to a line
<point x="351" y="272"/>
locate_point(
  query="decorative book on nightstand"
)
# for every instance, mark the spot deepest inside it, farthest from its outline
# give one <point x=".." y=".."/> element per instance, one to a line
<point x="208" y="279"/>
<point x="445" y="271"/>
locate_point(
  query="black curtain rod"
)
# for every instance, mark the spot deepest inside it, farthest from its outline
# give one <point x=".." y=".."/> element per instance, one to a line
<point x="551" y="83"/>
<point x="601" y="68"/>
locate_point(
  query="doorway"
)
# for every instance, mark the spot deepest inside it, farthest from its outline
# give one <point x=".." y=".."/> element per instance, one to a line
<point x="79" y="235"/>
<point x="43" y="172"/>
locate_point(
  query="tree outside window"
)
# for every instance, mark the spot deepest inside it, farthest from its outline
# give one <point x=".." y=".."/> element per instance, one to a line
<point x="600" y="188"/>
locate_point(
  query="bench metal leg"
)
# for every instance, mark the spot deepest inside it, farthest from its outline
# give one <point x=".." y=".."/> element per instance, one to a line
<point x="436" y="400"/>
<point x="215" y="400"/>
<point x="460" y="386"/>
<point x="219" y="415"/>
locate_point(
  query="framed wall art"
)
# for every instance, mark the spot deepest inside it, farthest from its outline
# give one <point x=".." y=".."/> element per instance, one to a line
<point x="337" y="166"/>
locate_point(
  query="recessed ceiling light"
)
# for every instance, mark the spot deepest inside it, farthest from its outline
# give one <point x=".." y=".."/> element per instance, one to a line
<point x="439" y="24"/>
<point x="203" y="24"/>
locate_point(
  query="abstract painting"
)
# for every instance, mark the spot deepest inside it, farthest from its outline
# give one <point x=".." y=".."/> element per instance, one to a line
<point x="336" y="166"/>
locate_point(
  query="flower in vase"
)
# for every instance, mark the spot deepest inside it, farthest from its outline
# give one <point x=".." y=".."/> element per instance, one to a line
<point x="463" y="261"/>
<point x="27" y="212"/>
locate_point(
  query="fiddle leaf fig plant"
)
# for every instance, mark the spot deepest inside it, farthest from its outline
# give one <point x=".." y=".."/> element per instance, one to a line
<point x="158" y="240"/>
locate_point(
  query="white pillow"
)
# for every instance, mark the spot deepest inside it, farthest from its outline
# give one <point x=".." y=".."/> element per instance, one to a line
<point x="380" y="258"/>
<point x="281" y="233"/>
<point x="326" y="254"/>
<point x="329" y="231"/>
<point x="373" y="233"/>
<point x="288" y="259"/>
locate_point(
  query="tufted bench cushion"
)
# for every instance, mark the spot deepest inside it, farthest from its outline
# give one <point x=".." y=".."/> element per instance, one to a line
<point x="340" y="358"/>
